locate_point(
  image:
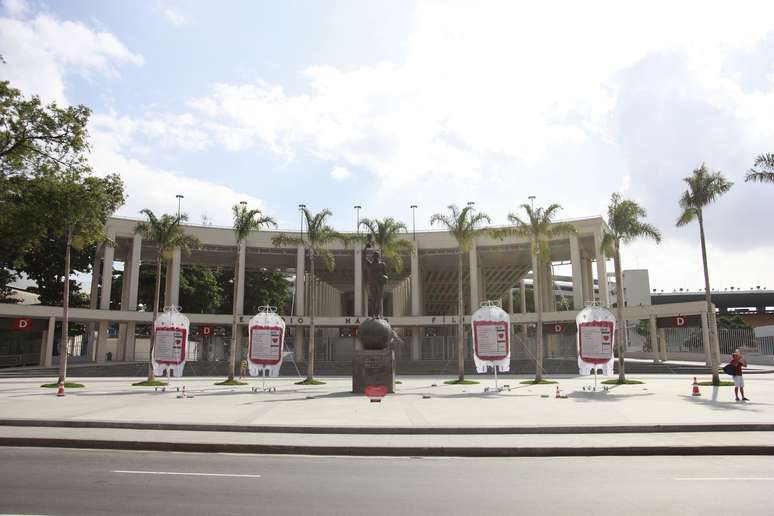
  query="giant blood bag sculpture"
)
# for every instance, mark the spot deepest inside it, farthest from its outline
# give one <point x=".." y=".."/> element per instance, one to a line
<point x="267" y="342"/>
<point x="596" y="338"/>
<point x="491" y="338"/>
<point x="171" y="342"/>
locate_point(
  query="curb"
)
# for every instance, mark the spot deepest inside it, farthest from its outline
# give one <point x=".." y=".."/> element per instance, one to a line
<point x="384" y="451"/>
<point x="419" y="430"/>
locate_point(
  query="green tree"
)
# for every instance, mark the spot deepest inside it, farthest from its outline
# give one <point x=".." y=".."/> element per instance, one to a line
<point x="623" y="219"/>
<point x="79" y="208"/>
<point x="765" y="171"/>
<point x="384" y="235"/>
<point x="37" y="138"/>
<point x="166" y="233"/>
<point x="266" y="288"/>
<point x="704" y="187"/>
<point x="318" y="235"/>
<point x="464" y="225"/>
<point x="539" y="228"/>
<point x="245" y="221"/>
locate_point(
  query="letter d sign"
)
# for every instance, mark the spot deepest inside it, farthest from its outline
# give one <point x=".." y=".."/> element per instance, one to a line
<point x="680" y="321"/>
<point x="22" y="324"/>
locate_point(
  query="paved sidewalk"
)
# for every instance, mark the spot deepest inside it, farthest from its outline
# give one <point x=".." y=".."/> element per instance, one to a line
<point x="424" y="417"/>
<point x="418" y="402"/>
<point x="696" y="443"/>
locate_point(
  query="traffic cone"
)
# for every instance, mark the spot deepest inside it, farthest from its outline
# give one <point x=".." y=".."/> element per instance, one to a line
<point x="695" y="388"/>
<point x="60" y="389"/>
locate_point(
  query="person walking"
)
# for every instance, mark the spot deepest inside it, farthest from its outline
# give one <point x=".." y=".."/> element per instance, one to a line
<point x="738" y="361"/>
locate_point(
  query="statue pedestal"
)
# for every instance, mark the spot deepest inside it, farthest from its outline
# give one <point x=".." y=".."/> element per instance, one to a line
<point x="373" y="367"/>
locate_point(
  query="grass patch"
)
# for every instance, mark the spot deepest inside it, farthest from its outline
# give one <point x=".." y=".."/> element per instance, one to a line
<point x="68" y="385"/>
<point x="541" y="382"/>
<point x="150" y="383"/>
<point x="723" y="383"/>
<point x="460" y="382"/>
<point x="625" y="382"/>
<point x="312" y="381"/>
<point x="233" y="381"/>
<point x="398" y="382"/>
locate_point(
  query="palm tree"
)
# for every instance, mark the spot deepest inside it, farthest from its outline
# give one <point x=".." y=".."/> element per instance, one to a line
<point x="766" y="174"/>
<point x="464" y="225"/>
<point x="245" y="221"/>
<point x="539" y="228"/>
<point x="623" y="220"/>
<point x="385" y="236"/>
<point x="318" y="235"/>
<point x="704" y="187"/>
<point x="166" y="233"/>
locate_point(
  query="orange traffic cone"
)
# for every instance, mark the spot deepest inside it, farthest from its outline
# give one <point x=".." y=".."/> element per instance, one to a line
<point x="695" y="388"/>
<point x="60" y="389"/>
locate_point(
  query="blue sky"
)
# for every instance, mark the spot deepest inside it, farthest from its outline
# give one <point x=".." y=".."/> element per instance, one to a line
<point x="393" y="103"/>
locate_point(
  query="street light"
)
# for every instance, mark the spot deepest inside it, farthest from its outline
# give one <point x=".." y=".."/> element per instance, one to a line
<point x="414" y="220"/>
<point x="532" y="201"/>
<point x="357" y="217"/>
<point x="179" y="198"/>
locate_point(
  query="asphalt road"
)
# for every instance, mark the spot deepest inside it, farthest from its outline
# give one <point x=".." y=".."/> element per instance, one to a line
<point x="58" y="481"/>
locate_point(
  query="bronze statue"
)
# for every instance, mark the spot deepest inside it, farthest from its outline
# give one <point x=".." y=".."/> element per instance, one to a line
<point x="376" y="277"/>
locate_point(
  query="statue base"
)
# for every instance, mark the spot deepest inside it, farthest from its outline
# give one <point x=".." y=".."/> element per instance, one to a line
<point x="373" y="367"/>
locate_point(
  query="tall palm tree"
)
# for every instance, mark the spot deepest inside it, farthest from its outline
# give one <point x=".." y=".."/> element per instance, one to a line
<point x="766" y="172"/>
<point x="385" y="235"/>
<point x="464" y="225"/>
<point x="704" y="187"/>
<point x="539" y="228"/>
<point x="318" y="235"/>
<point x="166" y="233"/>
<point x="623" y="219"/>
<point x="245" y="221"/>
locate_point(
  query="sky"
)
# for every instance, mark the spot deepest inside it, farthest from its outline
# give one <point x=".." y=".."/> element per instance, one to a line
<point x="386" y="104"/>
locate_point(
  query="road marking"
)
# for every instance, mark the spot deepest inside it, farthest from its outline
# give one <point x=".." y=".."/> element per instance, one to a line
<point x="183" y="473"/>
<point x="703" y="479"/>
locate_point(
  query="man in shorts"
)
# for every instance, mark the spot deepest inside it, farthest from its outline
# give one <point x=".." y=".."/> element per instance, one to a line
<point x="738" y="361"/>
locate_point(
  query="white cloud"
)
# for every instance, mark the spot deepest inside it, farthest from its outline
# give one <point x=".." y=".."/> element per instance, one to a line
<point x="154" y="188"/>
<point x="41" y="50"/>
<point x="16" y="8"/>
<point x="174" y="16"/>
<point x="340" y="173"/>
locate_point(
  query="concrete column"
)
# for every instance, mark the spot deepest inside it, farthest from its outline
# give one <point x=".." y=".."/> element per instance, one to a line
<point x="662" y="344"/>
<point x="134" y="282"/>
<point x="358" y="308"/>
<point x="416" y="304"/>
<point x="47" y="344"/>
<point x="705" y="338"/>
<point x="577" y="275"/>
<point x="107" y="277"/>
<point x="104" y="301"/>
<point x="604" y="290"/>
<point x="173" y="278"/>
<point x="653" y="336"/>
<point x="91" y="340"/>
<point x="473" y="268"/>
<point x="587" y="277"/>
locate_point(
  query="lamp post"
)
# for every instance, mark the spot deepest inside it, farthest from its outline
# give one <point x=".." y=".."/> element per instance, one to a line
<point x="357" y="218"/>
<point x="532" y="201"/>
<point x="179" y="198"/>
<point x="471" y="204"/>
<point x="414" y="220"/>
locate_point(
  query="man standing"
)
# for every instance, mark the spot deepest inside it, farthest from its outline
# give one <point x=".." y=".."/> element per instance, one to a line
<point x="738" y="361"/>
